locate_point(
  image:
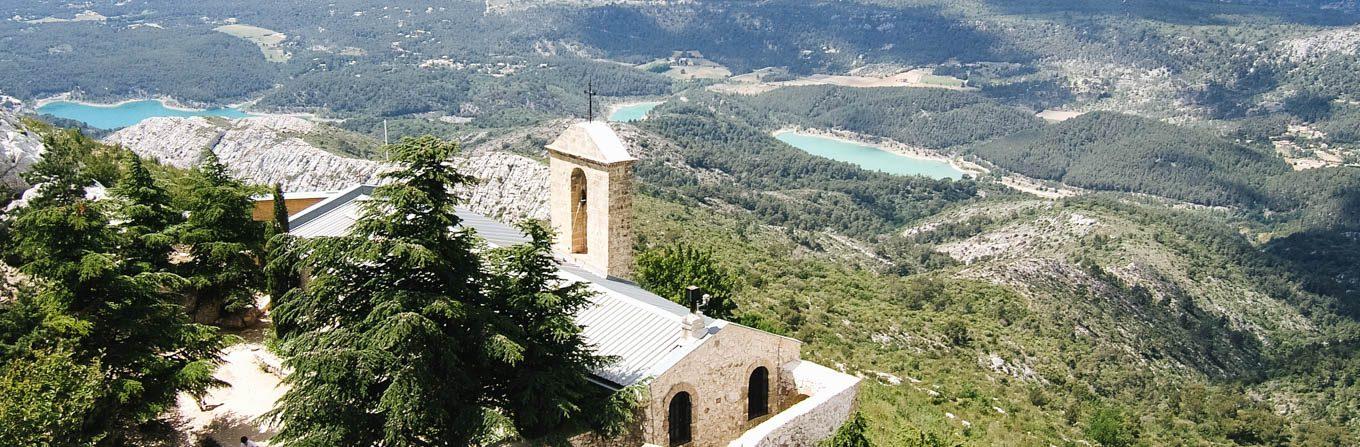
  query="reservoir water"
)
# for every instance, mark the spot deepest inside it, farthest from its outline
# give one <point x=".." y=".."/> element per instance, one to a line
<point x="633" y="112"/>
<point x="869" y="157"/>
<point x="108" y="117"/>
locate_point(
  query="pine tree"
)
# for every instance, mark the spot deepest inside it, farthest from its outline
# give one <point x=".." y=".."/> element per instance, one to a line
<point x="105" y="310"/>
<point x="146" y="214"/>
<point x="61" y="177"/>
<point x="402" y="337"/>
<point x="545" y="390"/>
<point x="43" y="400"/>
<point x="280" y="256"/>
<point x="670" y="269"/>
<point x="390" y="340"/>
<point x="280" y="210"/>
<point x="224" y="241"/>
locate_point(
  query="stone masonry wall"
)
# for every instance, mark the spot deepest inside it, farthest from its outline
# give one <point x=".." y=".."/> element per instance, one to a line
<point x="609" y="201"/>
<point x="716" y="376"/>
<point x="620" y="224"/>
<point x="830" y="401"/>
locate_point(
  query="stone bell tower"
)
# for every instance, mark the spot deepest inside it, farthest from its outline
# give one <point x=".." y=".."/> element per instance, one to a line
<point x="590" y="176"/>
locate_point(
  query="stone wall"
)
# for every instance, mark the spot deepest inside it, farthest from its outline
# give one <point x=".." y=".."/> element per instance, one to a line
<point x="830" y="401"/>
<point x="716" y="375"/>
<point x="609" y="202"/>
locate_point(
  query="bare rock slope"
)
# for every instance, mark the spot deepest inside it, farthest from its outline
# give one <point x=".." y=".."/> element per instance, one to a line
<point x="276" y="149"/>
<point x="19" y="149"/>
<point x="260" y="149"/>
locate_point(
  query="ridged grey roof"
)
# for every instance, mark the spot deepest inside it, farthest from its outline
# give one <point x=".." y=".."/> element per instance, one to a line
<point x="638" y="328"/>
<point x="332" y="216"/>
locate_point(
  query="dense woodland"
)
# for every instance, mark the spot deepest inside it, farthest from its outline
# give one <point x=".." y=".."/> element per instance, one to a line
<point x="787" y="186"/>
<point x="1101" y="151"/>
<point x="1181" y="373"/>
<point x="1110" y="151"/>
<point x="931" y="118"/>
<point x="188" y="64"/>
<point x="1115" y="152"/>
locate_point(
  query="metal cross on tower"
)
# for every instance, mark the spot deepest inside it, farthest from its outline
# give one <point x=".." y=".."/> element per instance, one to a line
<point x="590" y="101"/>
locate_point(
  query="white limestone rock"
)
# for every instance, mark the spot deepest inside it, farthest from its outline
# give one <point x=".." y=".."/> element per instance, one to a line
<point x="1322" y="43"/>
<point x="10" y="282"/>
<point x="271" y="149"/>
<point x="510" y="187"/>
<point x="19" y="149"/>
<point x="259" y="149"/>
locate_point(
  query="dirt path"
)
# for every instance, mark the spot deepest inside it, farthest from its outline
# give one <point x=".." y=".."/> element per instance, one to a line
<point x="231" y="412"/>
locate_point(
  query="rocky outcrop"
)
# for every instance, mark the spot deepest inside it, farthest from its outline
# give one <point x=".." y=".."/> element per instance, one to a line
<point x="1322" y="44"/>
<point x="509" y="187"/>
<point x="10" y="282"/>
<point x="19" y="149"/>
<point x="511" y="6"/>
<point x="266" y="150"/>
<point x="275" y="149"/>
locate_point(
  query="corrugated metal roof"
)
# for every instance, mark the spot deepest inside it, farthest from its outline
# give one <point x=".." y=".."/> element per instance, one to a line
<point x="345" y="197"/>
<point x="639" y="328"/>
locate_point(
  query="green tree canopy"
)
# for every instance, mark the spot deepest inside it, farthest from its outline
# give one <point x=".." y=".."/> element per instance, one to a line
<point x="280" y="209"/>
<point x="146" y="213"/>
<point x="108" y="312"/>
<point x="1108" y="427"/>
<point x="44" y="401"/>
<point x="280" y="257"/>
<point x="403" y="337"/>
<point x="71" y="162"/>
<point x="670" y="269"/>
<point x="854" y="433"/>
<point x="224" y="242"/>
<point x="549" y="386"/>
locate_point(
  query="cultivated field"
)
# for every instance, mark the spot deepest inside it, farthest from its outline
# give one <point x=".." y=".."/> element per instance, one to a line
<point x="268" y="40"/>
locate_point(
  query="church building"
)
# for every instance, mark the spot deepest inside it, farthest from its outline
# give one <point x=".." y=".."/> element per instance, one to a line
<point x="711" y="382"/>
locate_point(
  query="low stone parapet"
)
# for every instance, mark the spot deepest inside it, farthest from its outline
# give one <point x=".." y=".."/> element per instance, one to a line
<point x="831" y="399"/>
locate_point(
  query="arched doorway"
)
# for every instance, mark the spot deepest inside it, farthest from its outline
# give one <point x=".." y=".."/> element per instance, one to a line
<point x="680" y="416"/>
<point x="578" y="211"/>
<point x="758" y="394"/>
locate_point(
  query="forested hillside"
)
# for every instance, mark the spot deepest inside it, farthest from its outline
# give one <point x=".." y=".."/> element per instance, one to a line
<point x="1110" y="151"/>
<point x="742" y="165"/>
<point x="1116" y="152"/>
<point x="930" y="118"/>
<point x="1081" y="321"/>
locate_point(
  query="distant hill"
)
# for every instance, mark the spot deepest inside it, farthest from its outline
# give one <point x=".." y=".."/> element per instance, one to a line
<point x="1118" y="152"/>
<point x="931" y="118"/>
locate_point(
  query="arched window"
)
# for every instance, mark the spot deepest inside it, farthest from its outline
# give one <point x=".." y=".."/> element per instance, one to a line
<point x="578" y="211"/>
<point x="680" y="417"/>
<point x="758" y="394"/>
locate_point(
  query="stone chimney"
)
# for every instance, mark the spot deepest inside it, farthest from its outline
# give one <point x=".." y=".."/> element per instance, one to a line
<point x="590" y="178"/>
<point x="692" y="326"/>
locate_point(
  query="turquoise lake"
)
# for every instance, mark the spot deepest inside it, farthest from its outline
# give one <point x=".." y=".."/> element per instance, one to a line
<point x="126" y="114"/>
<point x="633" y="112"/>
<point x="869" y="157"/>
